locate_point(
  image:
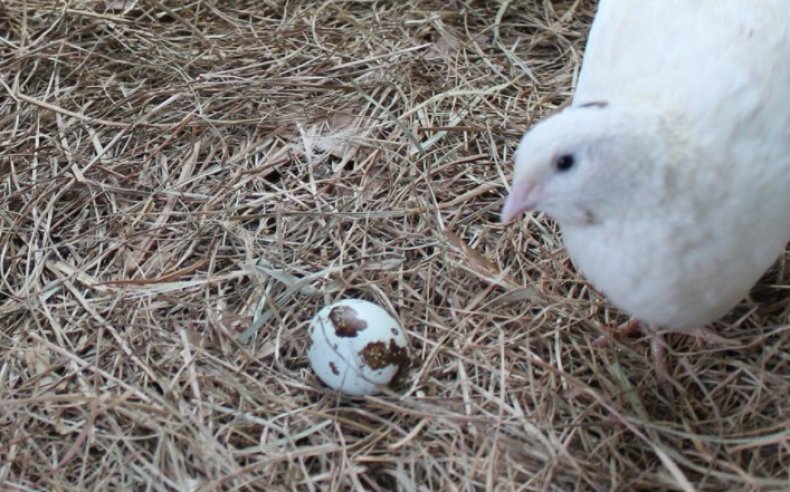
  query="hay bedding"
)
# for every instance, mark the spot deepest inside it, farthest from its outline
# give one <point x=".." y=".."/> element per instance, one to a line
<point x="185" y="184"/>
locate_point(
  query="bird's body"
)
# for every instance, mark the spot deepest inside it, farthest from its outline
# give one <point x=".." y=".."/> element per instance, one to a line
<point x="677" y="198"/>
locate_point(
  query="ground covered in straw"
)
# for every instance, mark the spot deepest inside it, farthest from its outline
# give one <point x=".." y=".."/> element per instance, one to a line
<point x="183" y="184"/>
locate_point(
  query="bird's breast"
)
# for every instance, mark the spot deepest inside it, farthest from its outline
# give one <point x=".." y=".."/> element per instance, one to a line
<point x="662" y="273"/>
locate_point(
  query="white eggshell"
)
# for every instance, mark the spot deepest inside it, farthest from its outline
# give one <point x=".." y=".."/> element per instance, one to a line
<point x="357" y="347"/>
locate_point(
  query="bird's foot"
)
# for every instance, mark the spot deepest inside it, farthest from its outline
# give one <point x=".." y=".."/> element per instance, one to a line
<point x="658" y="350"/>
<point x="629" y="328"/>
<point x="709" y="335"/>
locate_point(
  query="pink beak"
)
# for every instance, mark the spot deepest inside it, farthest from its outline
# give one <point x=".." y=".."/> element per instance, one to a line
<point x="521" y="199"/>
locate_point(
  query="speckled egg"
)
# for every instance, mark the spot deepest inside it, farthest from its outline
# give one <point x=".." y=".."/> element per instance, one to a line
<point x="357" y="347"/>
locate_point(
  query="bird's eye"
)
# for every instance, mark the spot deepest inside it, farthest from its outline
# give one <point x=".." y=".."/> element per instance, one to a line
<point x="565" y="162"/>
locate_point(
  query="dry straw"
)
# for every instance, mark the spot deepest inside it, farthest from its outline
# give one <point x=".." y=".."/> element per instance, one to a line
<point x="183" y="184"/>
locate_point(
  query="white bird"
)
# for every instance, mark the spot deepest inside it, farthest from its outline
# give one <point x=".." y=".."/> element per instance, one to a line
<point x="669" y="175"/>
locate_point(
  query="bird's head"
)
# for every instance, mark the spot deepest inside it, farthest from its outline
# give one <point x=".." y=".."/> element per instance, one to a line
<point x="586" y="163"/>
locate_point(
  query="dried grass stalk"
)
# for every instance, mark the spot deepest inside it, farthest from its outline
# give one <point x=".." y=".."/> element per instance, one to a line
<point x="182" y="185"/>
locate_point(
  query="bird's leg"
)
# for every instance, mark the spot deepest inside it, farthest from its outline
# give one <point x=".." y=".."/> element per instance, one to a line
<point x="632" y="327"/>
<point x="658" y="349"/>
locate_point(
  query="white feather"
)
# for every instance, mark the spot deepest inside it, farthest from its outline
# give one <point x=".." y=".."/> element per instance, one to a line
<point x="709" y="212"/>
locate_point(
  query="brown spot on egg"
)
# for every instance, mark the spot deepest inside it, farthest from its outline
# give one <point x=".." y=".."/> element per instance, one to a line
<point x="334" y="369"/>
<point x="346" y="322"/>
<point x="378" y="355"/>
<point x="394" y="331"/>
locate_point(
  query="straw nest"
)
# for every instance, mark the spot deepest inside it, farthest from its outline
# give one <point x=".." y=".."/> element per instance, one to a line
<point x="184" y="184"/>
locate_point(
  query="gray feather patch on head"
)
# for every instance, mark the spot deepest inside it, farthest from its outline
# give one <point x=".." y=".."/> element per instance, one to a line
<point x="594" y="104"/>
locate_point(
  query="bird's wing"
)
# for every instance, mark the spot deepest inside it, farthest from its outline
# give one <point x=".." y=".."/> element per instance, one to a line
<point x="723" y="66"/>
<point x="685" y="52"/>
